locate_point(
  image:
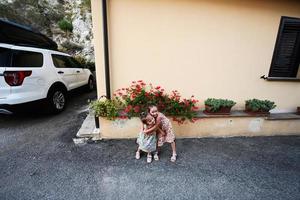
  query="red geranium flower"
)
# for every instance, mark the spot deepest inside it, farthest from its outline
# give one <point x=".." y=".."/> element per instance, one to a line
<point x="133" y="96"/>
<point x="136" y="109"/>
<point x="128" y="108"/>
<point x="195" y="108"/>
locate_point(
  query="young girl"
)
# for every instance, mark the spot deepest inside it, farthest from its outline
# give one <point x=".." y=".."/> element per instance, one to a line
<point x="146" y="141"/>
<point x="167" y="134"/>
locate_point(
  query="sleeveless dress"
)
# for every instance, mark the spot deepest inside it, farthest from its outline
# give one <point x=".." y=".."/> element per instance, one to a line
<point x="147" y="143"/>
<point x="166" y="126"/>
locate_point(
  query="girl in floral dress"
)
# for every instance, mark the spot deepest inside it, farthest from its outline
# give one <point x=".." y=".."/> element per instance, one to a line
<point x="147" y="142"/>
<point x="166" y="135"/>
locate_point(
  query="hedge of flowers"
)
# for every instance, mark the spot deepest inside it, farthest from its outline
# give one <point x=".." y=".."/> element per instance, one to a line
<point x="130" y="101"/>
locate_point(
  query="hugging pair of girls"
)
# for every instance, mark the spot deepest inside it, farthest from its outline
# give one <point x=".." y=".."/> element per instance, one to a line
<point x="156" y="130"/>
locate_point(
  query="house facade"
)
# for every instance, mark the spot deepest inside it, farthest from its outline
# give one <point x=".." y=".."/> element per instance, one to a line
<point x="229" y="49"/>
<point x="218" y="49"/>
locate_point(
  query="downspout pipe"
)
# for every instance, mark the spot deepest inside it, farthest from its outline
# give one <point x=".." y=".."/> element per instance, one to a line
<point x="106" y="48"/>
<point x="106" y="56"/>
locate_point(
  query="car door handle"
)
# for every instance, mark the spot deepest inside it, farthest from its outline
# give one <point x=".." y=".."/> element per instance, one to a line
<point x="60" y="72"/>
<point x="78" y="71"/>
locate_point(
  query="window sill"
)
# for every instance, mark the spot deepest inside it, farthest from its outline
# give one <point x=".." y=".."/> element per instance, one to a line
<point x="281" y="79"/>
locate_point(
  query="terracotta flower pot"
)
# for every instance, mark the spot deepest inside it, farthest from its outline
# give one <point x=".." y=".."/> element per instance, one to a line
<point x="221" y="111"/>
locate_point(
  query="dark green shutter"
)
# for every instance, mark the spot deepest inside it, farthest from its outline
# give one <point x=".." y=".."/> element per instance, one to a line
<point x="286" y="57"/>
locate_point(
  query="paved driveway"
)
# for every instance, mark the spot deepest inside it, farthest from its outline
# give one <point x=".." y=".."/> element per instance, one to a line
<point x="39" y="161"/>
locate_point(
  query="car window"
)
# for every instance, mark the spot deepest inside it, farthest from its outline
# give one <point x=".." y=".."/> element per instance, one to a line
<point x="61" y="61"/>
<point x="26" y="59"/>
<point x="75" y="63"/>
<point x="4" y="57"/>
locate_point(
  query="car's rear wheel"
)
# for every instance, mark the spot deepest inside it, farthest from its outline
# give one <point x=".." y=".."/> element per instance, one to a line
<point x="91" y="84"/>
<point x="57" y="100"/>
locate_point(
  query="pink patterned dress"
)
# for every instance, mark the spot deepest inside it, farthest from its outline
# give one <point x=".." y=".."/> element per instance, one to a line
<point x="166" y="126"/>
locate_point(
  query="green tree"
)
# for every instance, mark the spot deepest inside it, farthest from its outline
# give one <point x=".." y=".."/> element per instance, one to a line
<point x="65" y="26"/>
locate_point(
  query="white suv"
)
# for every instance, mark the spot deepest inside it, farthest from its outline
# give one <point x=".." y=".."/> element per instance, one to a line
<point x="29" y="74"/>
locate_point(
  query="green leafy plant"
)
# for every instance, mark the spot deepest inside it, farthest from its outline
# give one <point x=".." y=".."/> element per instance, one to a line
<point x="257" y="105"/>
<point x="139" y="96"/>
<point x="85" y="5"/>
<point x="106" y="108"/>
<point x="216" y="104"/>
<point x="133" y="100"/>
<point x="65" y="26"/>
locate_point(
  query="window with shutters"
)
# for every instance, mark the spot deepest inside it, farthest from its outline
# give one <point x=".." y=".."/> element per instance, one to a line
<point x="286" y="56"/>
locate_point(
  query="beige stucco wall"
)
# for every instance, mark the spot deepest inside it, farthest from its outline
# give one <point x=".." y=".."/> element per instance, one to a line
<point x="202" y="47"/>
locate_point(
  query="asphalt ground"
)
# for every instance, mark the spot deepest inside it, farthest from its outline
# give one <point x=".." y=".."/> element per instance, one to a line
<point x="38" y="160"/>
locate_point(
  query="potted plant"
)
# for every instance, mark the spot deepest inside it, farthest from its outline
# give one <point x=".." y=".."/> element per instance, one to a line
<point x="105" y="108"/>
<point x="131" y="101"/>
<point x="139" y="95"/>
<point x="256" y="106"/>
<point x="218" y="106"/>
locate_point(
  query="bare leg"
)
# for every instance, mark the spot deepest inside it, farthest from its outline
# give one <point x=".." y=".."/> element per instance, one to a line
<point x="156" y="157"/>
<point x="174" y="155"/>
<point x="157" y="148"/>
<point x="173" y="145"/>
<point x="149" y="157"/>
<point x="138" y="154"/>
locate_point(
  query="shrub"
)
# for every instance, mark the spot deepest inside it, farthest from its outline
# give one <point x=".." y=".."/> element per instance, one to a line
<point x="131" y="101"/>
<point x="86" y="5"/>
<point x="80" y="59"/>
<point x="105" y="108"/>
<point x="260" y="105"/>
<point x="71" y="46"/>
<point x="85" y="63"/>
<point x="216" y="104"/>
<point x="65" y="25"/>
<point x="139" y="96"/>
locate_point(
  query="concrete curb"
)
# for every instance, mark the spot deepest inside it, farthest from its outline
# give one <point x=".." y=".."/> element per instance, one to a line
<point x="87" y="131"/>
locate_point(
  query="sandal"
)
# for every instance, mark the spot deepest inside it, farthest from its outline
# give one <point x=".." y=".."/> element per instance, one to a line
<point x="137" y="155"/>
<point x="149" y="158"/>
<point x="156" y="156"/>
<point x="174" y="157"/>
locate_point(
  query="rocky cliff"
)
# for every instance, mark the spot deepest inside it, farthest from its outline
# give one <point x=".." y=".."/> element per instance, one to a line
<point x="45" y="15"/>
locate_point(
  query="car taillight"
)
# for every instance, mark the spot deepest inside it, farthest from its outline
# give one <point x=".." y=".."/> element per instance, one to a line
<point x="16" y="78"/>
